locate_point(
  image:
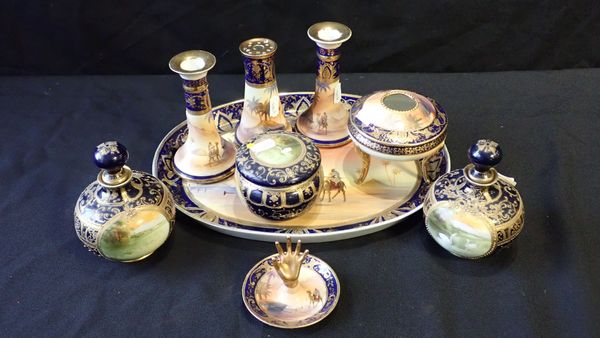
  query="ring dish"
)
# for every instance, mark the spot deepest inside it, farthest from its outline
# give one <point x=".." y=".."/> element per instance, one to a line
<point x="310" y="300"/>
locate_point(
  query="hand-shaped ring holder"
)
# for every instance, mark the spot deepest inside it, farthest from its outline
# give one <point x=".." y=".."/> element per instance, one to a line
<point x="290" y="289"/>
<point x="288" y="264"/>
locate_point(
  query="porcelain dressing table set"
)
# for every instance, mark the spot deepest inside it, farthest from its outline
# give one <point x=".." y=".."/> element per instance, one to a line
<point x="316" y="166"/>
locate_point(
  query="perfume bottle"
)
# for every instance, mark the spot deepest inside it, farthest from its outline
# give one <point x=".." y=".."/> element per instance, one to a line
<point x="325" y="121"/>
<point x="205" y="157"/>
<point x="472" y="211"/>
<point x="262" y="108"/>
<point x="125" y="215"/>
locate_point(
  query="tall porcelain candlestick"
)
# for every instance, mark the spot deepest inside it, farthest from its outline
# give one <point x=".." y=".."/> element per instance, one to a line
<point x="205" y="156"/>
<point x="325" y="121"/>
<point x="262" y="108"/>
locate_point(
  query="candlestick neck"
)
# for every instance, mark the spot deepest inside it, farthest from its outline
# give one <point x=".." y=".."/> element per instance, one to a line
<point x="328" y="67"/>
<point x="196" y="95"/>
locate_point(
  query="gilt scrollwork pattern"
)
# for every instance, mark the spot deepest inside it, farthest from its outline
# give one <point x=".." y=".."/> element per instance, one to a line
<point x="197" y="102"/>
<point x="392" y="137"/>
<point x="293" y="174"/>
<point x="280" y="204"/>
<point x="396" y="150"/>
<point x="198" y="85"/>
<point x="259" y="71"/>
<point x="250" y="289"/>
<point x="87" y="234"/>
<point x="328" y="67"/>
<point x="508" y="233"/>
<point x="500" y="202"/>
<point x="196" y="95"/>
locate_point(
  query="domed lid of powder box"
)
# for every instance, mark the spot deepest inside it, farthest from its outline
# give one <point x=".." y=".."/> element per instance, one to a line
<point x="278" y="159"/>
<point x="397" y="123"/>
<point x="471" y="211"/>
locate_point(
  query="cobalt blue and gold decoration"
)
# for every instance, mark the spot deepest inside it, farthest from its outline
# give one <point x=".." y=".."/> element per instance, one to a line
<point x="279" y="174"/>
<point x="396" y="125"/>
<point x="125" y="215"/>
<point x="328" y="67"/>
<point x="259" y="61"/>
<point x="472" y="211"/>
<point x="325" y="121"/>
<point x="262" y="108"/>
<point x="291" y="289"/>
<point x="196" y="96"/>
<point x="205" y="157"/>
<point x="259" y="72"/>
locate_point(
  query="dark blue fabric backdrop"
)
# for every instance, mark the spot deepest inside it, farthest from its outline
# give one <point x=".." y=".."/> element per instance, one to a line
<point x="139" y="36"/>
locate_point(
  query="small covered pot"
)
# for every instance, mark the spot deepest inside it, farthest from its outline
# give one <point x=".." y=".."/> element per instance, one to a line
<point x="396" y="125"/>
<point x="125" y="215"/>
<point x="278" y="174"/>
<point x="472" y="211"/>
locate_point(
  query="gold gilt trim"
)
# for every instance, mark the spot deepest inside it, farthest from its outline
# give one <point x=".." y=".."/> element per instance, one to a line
<point x="329" y="58"/>
<point x="298" y="188"/>
<point x="196" y="89"/>
<point x="260" y="85"/>
<point x="413" y="149"/>
<point x="502" y="234"/>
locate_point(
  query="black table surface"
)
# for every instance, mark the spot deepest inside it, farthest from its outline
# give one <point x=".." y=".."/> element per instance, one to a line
<point x="396" y="282"/>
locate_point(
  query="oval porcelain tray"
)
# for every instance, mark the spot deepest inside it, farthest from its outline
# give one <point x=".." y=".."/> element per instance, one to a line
<point x="392" y="191"/>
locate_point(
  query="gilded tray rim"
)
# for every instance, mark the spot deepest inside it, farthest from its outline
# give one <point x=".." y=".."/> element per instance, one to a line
<point x="270" y="236"/>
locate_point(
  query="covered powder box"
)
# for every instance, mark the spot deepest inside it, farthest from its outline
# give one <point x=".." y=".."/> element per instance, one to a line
<point x="278" y="174"/>
<point x="396" y="125"/>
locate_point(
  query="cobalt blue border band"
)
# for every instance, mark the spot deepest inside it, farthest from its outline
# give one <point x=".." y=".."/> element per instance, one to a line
<point x="328" y="52"/>
<point x="338" y="141"/>
<point x="267" y="176"/>
<point x="259" y="71"/>
<point x="318" y="265"/>
<point x="194" y="84"/>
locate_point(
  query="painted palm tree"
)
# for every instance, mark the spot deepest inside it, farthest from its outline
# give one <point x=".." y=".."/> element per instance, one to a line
<point x="252" y="104"/>
<point x="320" y="86"/>
<point x="257" y="107"/>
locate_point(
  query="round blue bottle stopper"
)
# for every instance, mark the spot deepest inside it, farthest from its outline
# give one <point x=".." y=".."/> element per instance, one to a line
<point x="111" y="156"/>
<point x="485" y="154"/>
